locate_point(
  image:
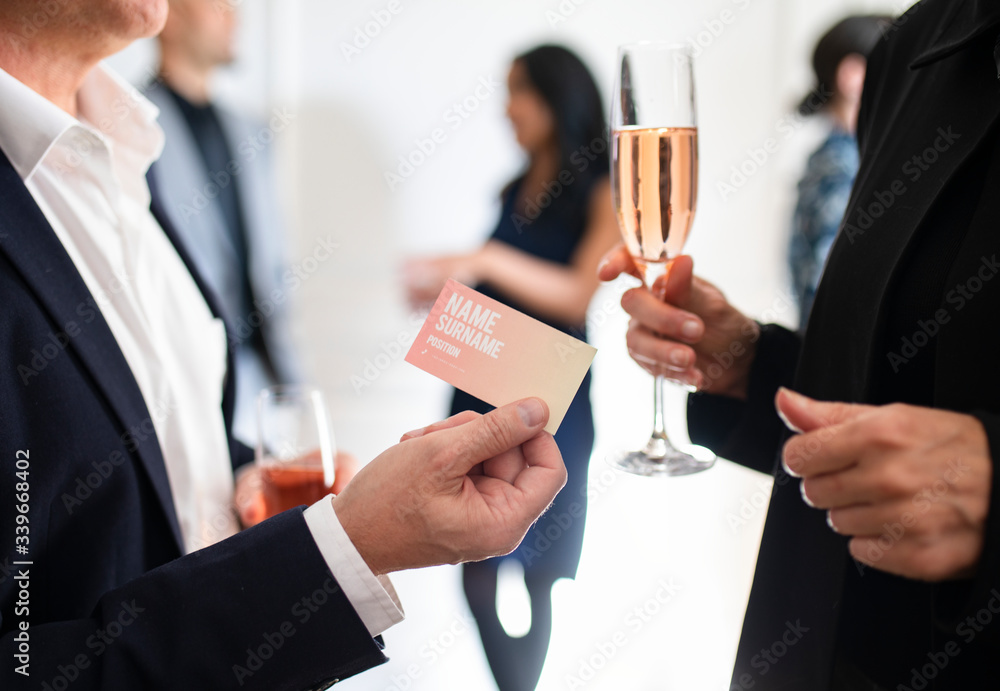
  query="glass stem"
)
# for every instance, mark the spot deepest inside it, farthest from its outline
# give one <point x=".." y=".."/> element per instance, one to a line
<point x="659" y="446"/>
<point x="659" y="421"/>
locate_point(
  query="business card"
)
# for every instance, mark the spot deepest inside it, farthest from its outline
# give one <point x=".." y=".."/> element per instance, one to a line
<point x="497" y="354"/>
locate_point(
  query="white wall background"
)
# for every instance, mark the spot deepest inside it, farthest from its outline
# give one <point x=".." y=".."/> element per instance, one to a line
<point x="354" y="118"/>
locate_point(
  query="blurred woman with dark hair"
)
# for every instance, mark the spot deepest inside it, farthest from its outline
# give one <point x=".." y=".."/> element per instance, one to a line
<point x="556" y="223"/>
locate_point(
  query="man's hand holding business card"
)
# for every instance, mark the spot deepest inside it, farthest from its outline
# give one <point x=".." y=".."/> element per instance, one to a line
<point x="461" y="490"/>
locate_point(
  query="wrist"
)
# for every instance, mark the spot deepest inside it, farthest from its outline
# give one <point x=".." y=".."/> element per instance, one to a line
<point x="744" y="351"/>
<point x="359" y="536"/>
<point x="484" y="261"/>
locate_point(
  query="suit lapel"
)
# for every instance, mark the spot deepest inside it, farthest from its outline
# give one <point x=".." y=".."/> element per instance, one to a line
<point x="32" y="246"/>
<point x="918" y="150"/>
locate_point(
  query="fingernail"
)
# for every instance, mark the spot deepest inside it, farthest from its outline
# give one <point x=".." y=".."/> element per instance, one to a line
<point x="788" y="423"/>
<point x="413" y="434"/>
<point x="681" y="358"/>
<point x="794" y="395"/>
<point x="829" y="522"/>
<point x="802" y="491"/>
<point x="600" y="267"/>
<point x="531" y="411"/>
<point x="788" y="469"/>
<point x="691" y="329"/>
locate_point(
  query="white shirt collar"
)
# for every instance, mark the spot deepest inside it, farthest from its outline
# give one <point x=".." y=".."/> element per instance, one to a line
<point x="109" y="108"/>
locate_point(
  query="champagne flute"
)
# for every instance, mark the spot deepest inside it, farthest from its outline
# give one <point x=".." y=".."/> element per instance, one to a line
<point x="654" y="181"/>
<point x="295" y="451"/>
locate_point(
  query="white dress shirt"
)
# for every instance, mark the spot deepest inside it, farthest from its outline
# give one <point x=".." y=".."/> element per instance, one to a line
<point x="87" y="175"/>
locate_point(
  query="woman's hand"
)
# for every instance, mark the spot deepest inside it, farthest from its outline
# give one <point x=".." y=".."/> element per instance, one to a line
<point x="690" y="334"/>
<point x="424" y="277"/>
<point x="911" y="485"/>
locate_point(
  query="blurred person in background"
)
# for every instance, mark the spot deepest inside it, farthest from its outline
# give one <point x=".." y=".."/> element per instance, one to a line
<point x="556" y="223"/>
<point x="115" y="402"/>
<point x="839" y="62"/>
<point x="215" y="181"/>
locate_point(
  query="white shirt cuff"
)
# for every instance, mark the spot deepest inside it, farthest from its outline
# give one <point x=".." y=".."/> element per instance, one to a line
<point x="373" y="597"/>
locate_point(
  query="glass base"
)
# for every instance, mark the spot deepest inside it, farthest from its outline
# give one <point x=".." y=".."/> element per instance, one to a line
<point x="661" y="459"/>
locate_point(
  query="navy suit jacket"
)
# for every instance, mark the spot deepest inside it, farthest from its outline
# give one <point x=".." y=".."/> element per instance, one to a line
<point x="108" y="598"/>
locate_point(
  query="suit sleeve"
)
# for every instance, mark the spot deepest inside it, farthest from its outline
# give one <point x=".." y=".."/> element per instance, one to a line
<point x="257" y="611"/>
<point x="749" y="432"/>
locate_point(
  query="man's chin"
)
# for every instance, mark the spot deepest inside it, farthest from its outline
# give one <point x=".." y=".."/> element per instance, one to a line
<point x="142" y="18"/>
<point x="154" y="15"/>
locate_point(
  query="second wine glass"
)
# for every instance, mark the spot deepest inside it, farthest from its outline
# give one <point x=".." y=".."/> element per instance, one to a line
<point x="295" y="451"/>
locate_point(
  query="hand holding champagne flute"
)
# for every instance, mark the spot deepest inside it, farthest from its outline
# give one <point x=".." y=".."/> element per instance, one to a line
<point x="654" y="181"/>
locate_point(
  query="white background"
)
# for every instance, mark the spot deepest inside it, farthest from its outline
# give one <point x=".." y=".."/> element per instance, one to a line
<point x="354" y="118"/>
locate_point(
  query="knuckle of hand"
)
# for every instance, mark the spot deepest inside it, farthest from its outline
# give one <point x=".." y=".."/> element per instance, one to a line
<point x="888" y="484"/>
<point x="443" y="455"/>
<point x="495" y="427"/>
<point x="894" y="426"/>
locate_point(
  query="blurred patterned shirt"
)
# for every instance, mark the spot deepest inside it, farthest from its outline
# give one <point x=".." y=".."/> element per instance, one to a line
<point x="823" y="194"/>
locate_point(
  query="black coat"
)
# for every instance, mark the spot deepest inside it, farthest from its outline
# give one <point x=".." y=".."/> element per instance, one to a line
<point x="931" y="84"/>
<point x="111" y="602"/>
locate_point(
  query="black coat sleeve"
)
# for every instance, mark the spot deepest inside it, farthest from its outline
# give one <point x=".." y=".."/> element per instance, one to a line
<point x="968" y="608"/>
<point x="749" y="432"/>
<point x="257" y="611"/>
